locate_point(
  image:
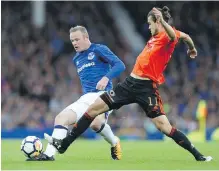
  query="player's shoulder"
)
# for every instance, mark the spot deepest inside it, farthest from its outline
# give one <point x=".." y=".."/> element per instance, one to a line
<point x="164" y="35"/>
<point x="99" y="47"/>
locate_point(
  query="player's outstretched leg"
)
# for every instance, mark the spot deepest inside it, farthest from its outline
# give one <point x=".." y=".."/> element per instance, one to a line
<point x="99" y="125"/>
<point x="62" y="120"/>
<point x="83" y="123"/>
<point x="163" y="125"/>
<point x="62" y="144"/>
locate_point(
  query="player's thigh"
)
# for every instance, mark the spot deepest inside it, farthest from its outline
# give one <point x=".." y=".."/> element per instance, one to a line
<point x="162" y="123"/>
<point x="121" y="95"/>
<point x="89" y="98"/>
<point x="151" y="103"/>
<point x="97" y="108"/>
<point x="83" y="103"/>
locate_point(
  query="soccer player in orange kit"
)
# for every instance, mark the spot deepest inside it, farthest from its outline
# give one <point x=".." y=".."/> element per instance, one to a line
<point x="142" y="85"/>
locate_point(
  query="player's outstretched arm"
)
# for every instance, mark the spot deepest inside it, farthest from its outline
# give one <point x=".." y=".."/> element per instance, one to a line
<point x="169" y="30"/>
<point x="192" y="52"/>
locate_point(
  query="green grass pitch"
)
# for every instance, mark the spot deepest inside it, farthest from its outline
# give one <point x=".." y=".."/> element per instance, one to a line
<point x="95" y="155"/>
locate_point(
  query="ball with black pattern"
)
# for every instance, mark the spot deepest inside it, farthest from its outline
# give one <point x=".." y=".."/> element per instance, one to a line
<point x="31" y="146"/>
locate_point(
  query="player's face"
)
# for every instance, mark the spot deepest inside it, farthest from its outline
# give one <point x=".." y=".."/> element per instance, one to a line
<point x="78" y="40"/>
<point x="153" y="26"/>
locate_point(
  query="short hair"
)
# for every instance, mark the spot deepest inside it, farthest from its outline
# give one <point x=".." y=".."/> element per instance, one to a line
<point x="165" y="13"/>
<point x="79" y="28"/>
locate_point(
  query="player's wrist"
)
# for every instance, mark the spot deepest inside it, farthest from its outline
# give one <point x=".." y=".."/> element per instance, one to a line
<point x="192" y="48"/>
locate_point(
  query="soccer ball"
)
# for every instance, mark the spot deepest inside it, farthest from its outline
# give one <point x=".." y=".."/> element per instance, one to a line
<point x="31" y="146"/>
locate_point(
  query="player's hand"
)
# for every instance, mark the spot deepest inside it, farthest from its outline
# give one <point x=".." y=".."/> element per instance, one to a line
<point x="157" y="14"/>
<point x="192" y="53"/>
<point x="101" y="85"/>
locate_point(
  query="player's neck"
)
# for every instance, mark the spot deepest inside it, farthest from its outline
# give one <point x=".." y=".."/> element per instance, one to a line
<point x="88" y="45"/>
<point x="160" y="29"/>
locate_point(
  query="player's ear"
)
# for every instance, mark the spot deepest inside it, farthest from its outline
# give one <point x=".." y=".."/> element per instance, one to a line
<point x="86" y="35"/>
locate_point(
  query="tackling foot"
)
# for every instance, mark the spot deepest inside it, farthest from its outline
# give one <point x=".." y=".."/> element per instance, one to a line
<point x="58" y="144"/>
<point x="205" y="159"/>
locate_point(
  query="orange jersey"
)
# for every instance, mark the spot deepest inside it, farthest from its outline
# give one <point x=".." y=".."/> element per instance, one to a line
<point x="154" y="58"/>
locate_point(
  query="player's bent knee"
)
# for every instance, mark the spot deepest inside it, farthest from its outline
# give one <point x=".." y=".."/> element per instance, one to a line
<point x="66" y="118"/>
<point x="59" y="120"/>
<point x="96" y="126"/>
<point x="97" y="123"/>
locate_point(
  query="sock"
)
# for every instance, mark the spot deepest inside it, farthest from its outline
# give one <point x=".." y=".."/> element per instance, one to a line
<point x="106" y="132"/>
<point x="78" y="128"/>
<point x="59" y="132"/>
<point x="184" y="142"/>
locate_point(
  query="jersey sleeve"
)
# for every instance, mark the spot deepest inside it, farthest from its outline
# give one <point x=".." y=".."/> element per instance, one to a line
<point x="177" y="32"/>
<point x="165" y="39"/>
<point x="108" y="56"/>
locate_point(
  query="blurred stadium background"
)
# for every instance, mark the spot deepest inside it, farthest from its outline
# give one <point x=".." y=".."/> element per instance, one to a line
<point x="38" y="79"/>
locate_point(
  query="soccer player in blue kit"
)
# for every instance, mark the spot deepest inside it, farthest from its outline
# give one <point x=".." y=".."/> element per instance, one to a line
<point x="96" y="65"/>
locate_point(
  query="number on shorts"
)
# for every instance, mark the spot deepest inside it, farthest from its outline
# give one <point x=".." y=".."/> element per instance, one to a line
<point x="150" y="101"/>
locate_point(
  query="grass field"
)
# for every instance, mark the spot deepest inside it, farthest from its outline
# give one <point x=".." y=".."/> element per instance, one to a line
<point x="95" y="155"/>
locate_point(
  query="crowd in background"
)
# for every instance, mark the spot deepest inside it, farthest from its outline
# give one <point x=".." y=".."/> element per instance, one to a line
<point x="38" y="79"/>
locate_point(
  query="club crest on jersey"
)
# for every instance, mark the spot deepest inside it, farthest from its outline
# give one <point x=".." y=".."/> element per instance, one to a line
<point x="77" y="62"/>
<point x="91" y="55"/>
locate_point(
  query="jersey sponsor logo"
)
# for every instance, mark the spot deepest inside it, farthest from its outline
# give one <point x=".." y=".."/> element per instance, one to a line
<point x="91" y="55"/>
<point x="85" y="66"/>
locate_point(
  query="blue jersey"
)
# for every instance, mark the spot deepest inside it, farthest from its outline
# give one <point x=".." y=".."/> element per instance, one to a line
<point x="95" y="63"/>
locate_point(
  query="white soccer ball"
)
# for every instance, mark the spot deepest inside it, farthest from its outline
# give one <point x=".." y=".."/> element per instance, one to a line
<point x="31" y="146"/>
